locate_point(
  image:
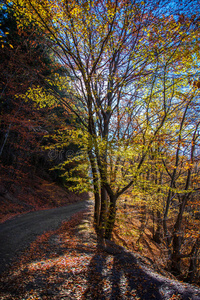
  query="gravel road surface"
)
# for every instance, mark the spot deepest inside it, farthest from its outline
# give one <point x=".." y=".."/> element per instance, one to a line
<point x="17" y="234"/>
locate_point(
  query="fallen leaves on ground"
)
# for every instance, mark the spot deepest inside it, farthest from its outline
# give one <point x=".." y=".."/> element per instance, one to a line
<point x="70" y="263"/>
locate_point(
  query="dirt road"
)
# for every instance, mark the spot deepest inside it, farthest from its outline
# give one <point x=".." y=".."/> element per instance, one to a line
<point x="18" y="233"/>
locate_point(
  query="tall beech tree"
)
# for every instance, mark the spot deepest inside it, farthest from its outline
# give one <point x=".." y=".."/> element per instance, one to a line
<point x="128" y="60"/>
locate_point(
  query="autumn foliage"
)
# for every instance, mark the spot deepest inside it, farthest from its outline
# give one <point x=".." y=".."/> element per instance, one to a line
<point x="26" y="184"/>
<point x="132" y="91"/>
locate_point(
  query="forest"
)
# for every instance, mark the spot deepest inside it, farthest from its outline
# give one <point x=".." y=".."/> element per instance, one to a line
<point x="102" y="97"/>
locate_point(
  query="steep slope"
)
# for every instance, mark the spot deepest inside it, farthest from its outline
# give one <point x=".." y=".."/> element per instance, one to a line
<point x="31" y="195"/>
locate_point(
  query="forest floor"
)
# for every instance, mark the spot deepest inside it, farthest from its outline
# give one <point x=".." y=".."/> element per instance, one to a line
<point x="70" y="263"/>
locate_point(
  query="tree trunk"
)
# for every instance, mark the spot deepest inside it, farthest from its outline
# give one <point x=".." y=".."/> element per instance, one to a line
<point x="175" y="263"/>
<point x="96" y="190"/>
<point x="167" y="235"/>
<point x="193" y="261"/>
<point x="175" y="267"/>
<point x="157" y="234"/>
<point x="103" y="213"/>
<point x="111" y="217"/>
<point x="96" y="210"/>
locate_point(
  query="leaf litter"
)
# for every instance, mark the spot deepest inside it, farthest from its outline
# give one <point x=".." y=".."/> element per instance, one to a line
<point x="70" y="263"/>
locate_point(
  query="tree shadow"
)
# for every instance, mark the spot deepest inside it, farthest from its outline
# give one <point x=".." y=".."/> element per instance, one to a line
<point x="110" y="273"/>
<point x="127" y="279"/>
<point x="96" y="276"/>
<point x="137" y="282"/>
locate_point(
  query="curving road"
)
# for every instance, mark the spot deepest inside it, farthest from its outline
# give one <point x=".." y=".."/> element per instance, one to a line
<point x="17" y="234"/>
